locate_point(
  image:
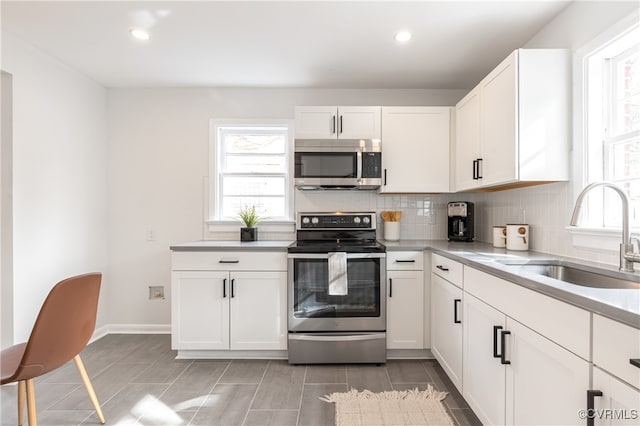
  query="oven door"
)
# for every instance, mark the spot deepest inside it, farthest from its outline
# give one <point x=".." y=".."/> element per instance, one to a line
<point x="313" y="308"/>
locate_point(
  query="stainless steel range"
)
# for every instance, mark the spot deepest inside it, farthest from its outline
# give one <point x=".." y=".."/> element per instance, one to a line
<point x="337" y="304"/>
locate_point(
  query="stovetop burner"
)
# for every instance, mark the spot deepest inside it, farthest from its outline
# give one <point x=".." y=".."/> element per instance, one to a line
<point x="326" y="232"/>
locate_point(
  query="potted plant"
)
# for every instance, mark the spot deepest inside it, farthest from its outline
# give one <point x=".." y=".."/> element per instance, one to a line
<point x="250" y="219"/>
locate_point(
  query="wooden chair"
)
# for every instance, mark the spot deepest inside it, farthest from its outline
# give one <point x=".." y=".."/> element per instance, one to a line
<point x="62" y="329"/>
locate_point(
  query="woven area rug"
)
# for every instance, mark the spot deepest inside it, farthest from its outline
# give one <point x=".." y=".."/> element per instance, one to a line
<point x="412" y="407"/>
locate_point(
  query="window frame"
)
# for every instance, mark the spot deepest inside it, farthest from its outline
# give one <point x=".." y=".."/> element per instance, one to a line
<point x="599" y="238"/>
<point x="214" y="222"/>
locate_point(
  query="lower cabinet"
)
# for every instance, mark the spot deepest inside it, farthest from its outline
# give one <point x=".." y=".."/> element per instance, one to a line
<point x="615" y="402"/>
<point x="446" y="327"/>
<point x="405" y="301"/>
<point x="229" y="310"/>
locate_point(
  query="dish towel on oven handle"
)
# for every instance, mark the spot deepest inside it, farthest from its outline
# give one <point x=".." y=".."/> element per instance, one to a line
<point x="338" y="273"/>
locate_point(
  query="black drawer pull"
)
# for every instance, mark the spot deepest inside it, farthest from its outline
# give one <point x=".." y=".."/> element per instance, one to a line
<point x="390" y="287"/>
<point x="406" y="261"/>
<point x="591" y="412"/>
<point x="635" y="362"/>
<point x="496" y="328"/>
<point x="233" y="289"/>
<point x="442" y="268"/>
<point x="455" y="311"/>
<point x="229" y="261"/>
<point x="503" y="355"/>
<point x="224" y="288"/>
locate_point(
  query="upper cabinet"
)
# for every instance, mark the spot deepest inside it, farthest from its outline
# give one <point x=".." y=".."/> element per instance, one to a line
<point x="331" y="122"/>
<point x="415" y="155"/>
<point x="513" y="129"/>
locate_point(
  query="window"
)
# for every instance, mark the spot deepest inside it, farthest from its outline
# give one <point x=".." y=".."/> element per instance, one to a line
<point x="612" y="127"/>
<point x="250" y="167"/>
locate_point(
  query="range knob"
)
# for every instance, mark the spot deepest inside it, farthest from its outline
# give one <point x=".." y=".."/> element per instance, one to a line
<point x="305" y="220"/>
<point x="356" y="220"/>
<point x="366" y="220"/>
<point x="314" y="220"/>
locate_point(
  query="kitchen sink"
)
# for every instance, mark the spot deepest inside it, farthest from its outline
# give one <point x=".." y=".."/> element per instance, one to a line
<point x="576" y="274"/>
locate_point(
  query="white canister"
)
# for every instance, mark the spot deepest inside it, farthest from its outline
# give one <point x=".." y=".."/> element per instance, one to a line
<point x="517" y="236"/>
<point x="499" y="236"/>
<point x="392" y="231"/>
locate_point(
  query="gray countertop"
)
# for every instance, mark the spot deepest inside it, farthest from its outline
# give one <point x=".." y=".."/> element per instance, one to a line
<point x="618" y="304"/>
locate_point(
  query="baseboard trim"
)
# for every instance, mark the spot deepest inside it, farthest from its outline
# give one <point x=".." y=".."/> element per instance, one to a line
<point x="102" y="331"/>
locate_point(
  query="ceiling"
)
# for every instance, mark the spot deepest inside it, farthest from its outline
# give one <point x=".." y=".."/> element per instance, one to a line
<point x="314" y="44"/>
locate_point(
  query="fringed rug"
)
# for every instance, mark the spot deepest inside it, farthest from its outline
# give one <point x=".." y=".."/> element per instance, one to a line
<point x="412" y="407"/>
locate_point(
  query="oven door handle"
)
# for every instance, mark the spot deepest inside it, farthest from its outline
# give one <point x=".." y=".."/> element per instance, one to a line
<point x="326" y="255"/>
<point x="338" y="338"/>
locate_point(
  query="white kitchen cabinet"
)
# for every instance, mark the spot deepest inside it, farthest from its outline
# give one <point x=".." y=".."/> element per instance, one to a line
<point x="446" y="327"/>
<point x="484" y="376"/>
<point x="619" y="403"/>
<point x="228" y="301"/>
<point x="516" y="123"/>
<point x="416" y="149"/>
<point x="332" y="122"/>
<point x="614" y="346"/>
<point x="405" y="300"/>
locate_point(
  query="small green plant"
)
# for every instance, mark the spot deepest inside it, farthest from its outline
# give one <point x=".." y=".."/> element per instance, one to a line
<point x="249" y="216"/>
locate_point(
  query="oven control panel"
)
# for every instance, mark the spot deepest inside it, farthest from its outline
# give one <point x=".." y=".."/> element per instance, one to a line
<point x="337" y="220"/>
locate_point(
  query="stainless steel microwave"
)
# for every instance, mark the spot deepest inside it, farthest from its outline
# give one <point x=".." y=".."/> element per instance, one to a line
<point x="338" y="164"/>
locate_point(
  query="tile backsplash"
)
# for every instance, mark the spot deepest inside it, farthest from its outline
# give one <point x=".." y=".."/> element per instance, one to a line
<point x="546" y="208"/>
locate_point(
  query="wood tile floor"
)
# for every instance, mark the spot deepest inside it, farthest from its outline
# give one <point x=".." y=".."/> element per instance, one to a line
<point x="138" y="381"/>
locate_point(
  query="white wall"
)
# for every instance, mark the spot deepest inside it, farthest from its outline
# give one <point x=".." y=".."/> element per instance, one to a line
<point x="59" y="181"/>
<point x="158" y="160"/>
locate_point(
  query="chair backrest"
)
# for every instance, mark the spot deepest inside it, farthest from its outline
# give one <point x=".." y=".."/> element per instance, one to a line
<point x="64" y="325"/>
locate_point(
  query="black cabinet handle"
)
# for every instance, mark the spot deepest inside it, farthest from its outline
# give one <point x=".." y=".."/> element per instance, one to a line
<point x="333" y="124"/>
<point x="455" y="311"/>
<point x="503" y="355"/>
<point x="635" y="362"/>
<point x="591" y="415"/>
<point x="475" y="169"/>
<point x="480" y="168"/>
<point x="233" y="290"/>
<point x="390" y="287"/>
<point x="385" y="177"/>
<point x="442" y="268"/>
<point x="341" y="124"/>
<point x="406" y="261"/>
<point x="229" y="261"/>
<point x="224" y="288"/>
<point x="496" y="328"/>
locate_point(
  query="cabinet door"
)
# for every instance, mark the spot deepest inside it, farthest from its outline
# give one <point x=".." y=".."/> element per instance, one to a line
<point x="484" y="375"/>
<point x="499" y="141"/>
<point x="200" y="310"/>
<point x="405" y="310"/>
<point x="619" y="403"/>
<point x="416" y="149"/>
<point x="359" y="122"/>
<point x="259" y="310"/>
<point x="446" y="327"/>
<point x="467" y="140"/>
<point x="546" y="384"/>
<point x="316" y="122"/>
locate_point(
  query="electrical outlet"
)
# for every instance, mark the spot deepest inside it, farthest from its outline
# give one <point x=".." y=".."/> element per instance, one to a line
<point x="151" y="235"/>
<point x="156" y="292"/>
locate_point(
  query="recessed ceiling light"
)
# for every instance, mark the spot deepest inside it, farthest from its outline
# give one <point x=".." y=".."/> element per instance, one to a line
<point x="403" y="36"/>
<point x="138" y="33"/>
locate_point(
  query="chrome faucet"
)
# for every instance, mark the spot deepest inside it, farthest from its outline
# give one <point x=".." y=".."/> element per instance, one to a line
<point x="627" y="255"/>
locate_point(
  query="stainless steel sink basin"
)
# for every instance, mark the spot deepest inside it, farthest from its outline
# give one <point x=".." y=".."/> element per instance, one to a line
<point x="576" y="274"/>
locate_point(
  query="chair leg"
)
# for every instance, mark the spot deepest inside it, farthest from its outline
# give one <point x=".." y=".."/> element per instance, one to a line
<point x="89" y="387"/>
<point x="31" y="403"/>
<point x="21" y="393"/>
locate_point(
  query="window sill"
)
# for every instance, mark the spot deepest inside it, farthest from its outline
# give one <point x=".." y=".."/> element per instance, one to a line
<point x="214" y="229"/>
<point x="601" y="239"/>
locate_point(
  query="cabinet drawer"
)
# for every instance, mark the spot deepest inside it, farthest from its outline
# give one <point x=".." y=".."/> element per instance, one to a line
<point x="560" y="322"/>
<point x="614" y="344"/>
<point x="448" y="269"/>
<point x="405" y="261"/>
<point x="229" y="261"/>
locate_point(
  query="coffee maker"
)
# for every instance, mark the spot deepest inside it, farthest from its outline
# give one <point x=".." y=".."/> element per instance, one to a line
<point x="460" y="221"/>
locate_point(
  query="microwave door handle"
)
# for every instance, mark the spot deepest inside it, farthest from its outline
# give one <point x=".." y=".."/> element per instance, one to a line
<point x="359" y="166"/>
